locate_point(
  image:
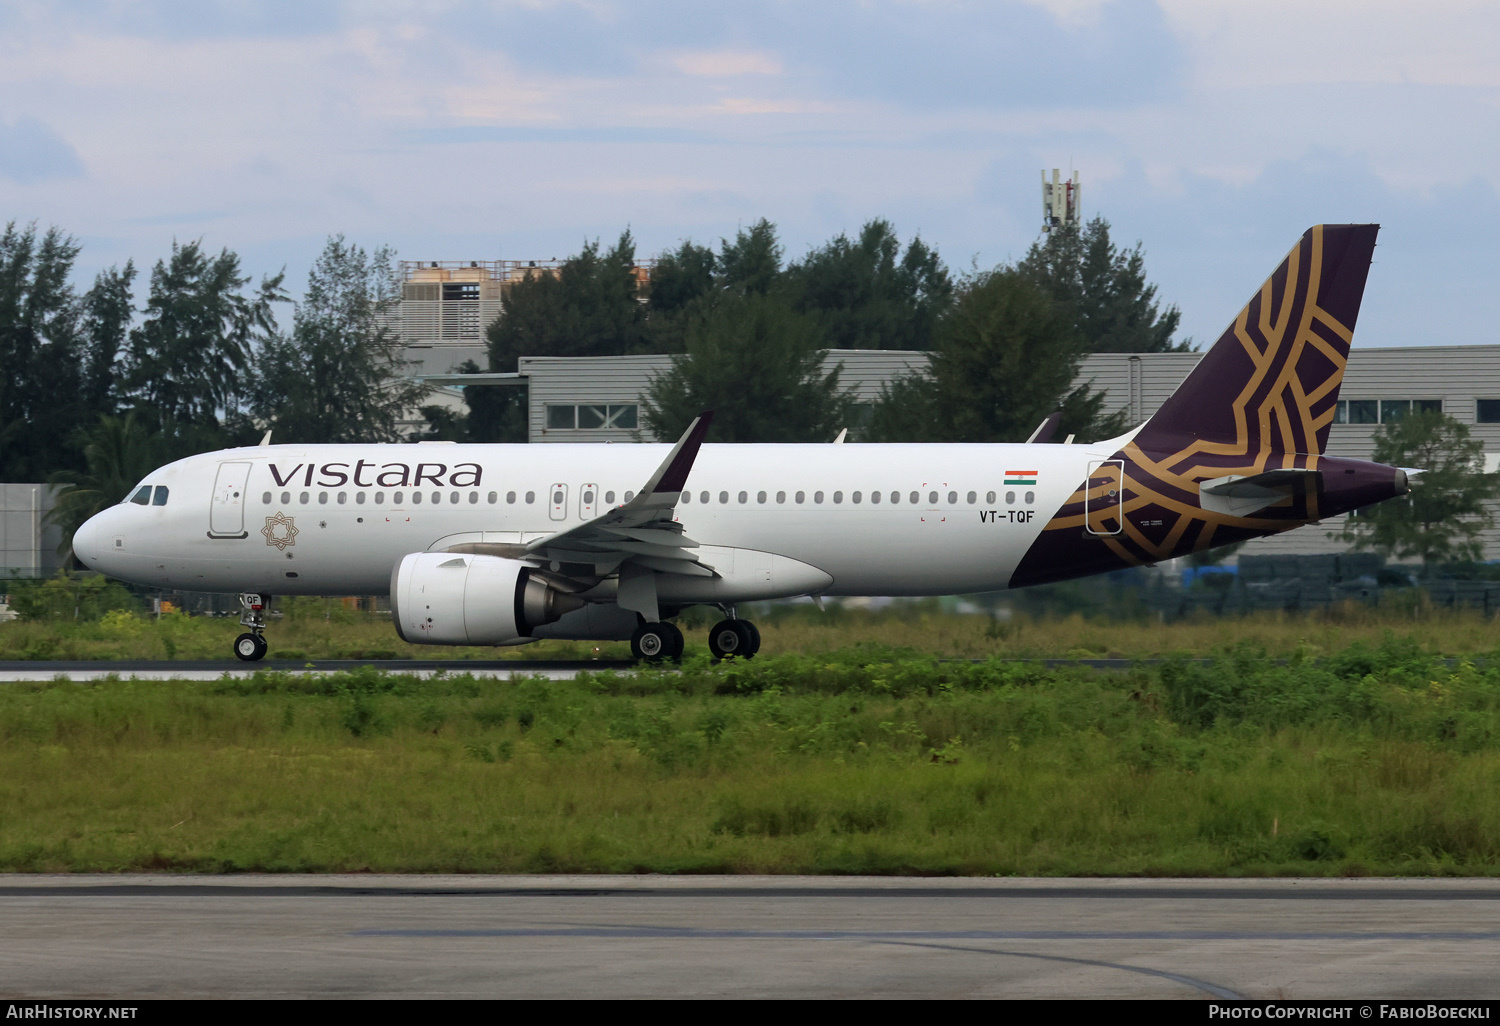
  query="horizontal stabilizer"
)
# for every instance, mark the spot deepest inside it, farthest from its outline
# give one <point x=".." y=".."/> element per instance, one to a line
<point x="1239" y="496"/>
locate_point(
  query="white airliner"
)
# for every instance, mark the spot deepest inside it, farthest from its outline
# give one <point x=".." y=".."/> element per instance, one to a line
<point x="506" y="544"/>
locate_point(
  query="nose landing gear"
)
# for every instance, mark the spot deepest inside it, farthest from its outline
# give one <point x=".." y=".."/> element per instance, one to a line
<point x="251" y="646"/>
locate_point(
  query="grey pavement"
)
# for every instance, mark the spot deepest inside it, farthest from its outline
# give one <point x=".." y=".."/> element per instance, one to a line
<point x="651" y="936"/>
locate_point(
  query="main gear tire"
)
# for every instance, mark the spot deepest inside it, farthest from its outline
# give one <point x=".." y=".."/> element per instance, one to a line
<point x="733" y="638"/>
<point x="655" y="642"/>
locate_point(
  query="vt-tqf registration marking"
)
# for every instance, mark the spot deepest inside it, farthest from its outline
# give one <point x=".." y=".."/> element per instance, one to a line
<point x="1006" y="516"/>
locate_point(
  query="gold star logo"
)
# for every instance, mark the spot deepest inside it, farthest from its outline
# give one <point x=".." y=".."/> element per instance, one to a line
<point x="280" y="531"/>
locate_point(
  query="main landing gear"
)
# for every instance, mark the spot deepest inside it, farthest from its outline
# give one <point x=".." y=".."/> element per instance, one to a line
<point x="655" y="642"/>
<point x="734" y="637"/>
<point x="251" y="646"/>
<point x="659" y="642"/>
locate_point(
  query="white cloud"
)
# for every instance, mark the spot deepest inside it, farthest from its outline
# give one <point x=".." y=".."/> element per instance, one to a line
<point x="726" y="63"/>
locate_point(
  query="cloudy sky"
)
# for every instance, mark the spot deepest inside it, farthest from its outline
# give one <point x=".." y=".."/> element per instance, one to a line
<point x="1213" y="132"/>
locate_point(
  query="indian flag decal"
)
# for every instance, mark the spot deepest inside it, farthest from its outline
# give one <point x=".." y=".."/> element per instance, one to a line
<point x="1020" y="477"/>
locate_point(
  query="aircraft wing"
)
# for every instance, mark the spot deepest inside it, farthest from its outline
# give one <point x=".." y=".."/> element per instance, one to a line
<point x="634" y="539"/>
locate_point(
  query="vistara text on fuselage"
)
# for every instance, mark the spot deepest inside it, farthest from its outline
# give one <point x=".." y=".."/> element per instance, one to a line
<point x="504" y="544"/>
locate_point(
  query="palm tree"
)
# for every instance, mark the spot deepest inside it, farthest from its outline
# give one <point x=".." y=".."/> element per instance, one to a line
<point x="118" y="452"/>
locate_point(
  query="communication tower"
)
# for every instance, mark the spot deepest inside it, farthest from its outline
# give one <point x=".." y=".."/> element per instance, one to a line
<point x="1060" y="204"/>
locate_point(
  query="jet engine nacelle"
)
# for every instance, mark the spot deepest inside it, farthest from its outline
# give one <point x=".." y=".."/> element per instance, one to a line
<point x="446" y="598"/>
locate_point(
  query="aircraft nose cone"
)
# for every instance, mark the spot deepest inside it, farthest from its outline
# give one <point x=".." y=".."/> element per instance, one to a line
<point x="88" y="542"/>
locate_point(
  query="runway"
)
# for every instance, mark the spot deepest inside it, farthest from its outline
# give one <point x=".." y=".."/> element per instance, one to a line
<point x="15" y="671"/>
<point x="651" y="936"/>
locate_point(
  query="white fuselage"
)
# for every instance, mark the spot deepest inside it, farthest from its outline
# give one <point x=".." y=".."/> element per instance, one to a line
<point x="335" y="519"/>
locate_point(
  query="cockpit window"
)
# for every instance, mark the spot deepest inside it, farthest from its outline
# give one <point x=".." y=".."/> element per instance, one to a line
<point x="143" y="496"/>
<point x="160" y="498"/>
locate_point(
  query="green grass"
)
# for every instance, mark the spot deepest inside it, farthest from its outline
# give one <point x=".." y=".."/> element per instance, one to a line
<point x="322" y="629"/>
<point x="1376" y="760"/>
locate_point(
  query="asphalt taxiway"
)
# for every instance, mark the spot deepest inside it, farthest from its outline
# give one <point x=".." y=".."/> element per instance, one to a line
<point x="649" y="936"/>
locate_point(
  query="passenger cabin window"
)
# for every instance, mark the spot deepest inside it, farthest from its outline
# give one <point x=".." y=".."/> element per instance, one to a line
<point x="973" y="498"/>
<point x="702" y="496"/>
<point x="874" y="496"/>
<point x="818" y="497"/>
<point x="266" y="498"/>
<point x="530" y="498"/>
<point x="286" y="498"/>
<point x="780" y="498"/>
<point x="989" y="497"/>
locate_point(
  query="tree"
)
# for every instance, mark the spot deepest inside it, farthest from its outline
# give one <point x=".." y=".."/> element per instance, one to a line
<point x="40" y="384"/>
<point x="757" y="364"/>
<point x="497" y="413"/>
<point x="1004" y="359"/>
<point x="680" y="277"/>
<point x="187" y="359"/>
<point x="107" y="309"/>
<point x="752" y="262"/>
<point x="117" y="453"/>
<point x="337" y="376"/>
<point x="588" y="308"/>
<point x="1442" y="519"/>
<point x="1103" y="289"/>
<point x="868" y="295"/>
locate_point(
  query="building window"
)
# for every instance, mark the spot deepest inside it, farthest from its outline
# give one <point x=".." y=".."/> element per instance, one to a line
<point x="1392" y="410"/>
<point x="1487" y="411"/>
<point x="1385" y="411"/>
<point x="593" y="416"/>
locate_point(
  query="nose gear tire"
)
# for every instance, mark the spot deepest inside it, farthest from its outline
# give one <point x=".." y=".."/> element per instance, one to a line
<point x="250" y="647"/>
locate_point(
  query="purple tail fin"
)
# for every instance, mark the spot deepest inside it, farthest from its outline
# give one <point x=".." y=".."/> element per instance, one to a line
<point x="1269" y="384"/>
